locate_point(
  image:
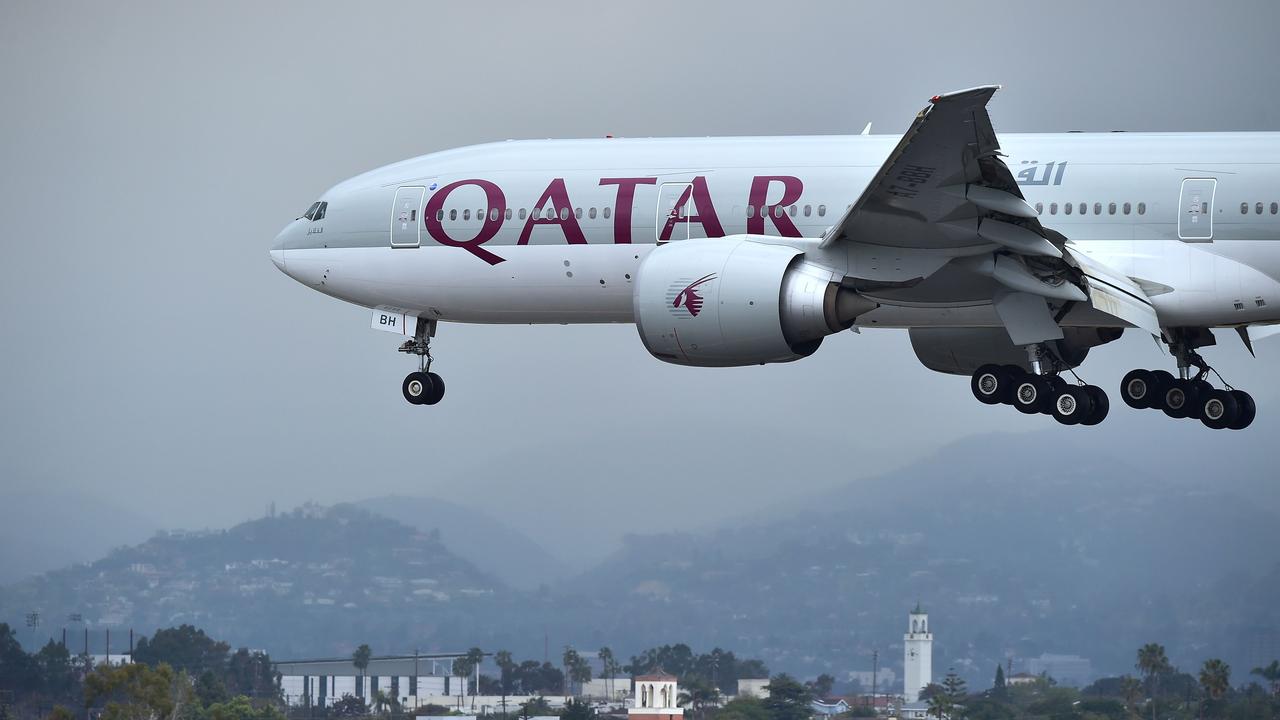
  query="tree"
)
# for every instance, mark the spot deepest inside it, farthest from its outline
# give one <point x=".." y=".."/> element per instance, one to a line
<point x="360" y="658"/>
<point x="609" y="668"/>
<point x="788" y="699"/>
<point x="506" y="670"/>
<point x="1215" y="678"/>
<point x="1130" y="688"/>
<point x="1270" y="673"/>
<point x="251" y="673"/>
<point x="821" y="686"/>
<point x="185" y="649"/>
<point x="1000" y="690"/>
<point x="743" y="708"/>
<point x="242" y="708"/>
<point x="698" y="695"/>
<point x="940" y="705"/>
<point x="348" y="706"/>
<point x="137" y="692"/>
<point x="466" y="665"/>
<point x="535" y="706"/>
<point x="954" y="686"/>
<point x="1152" y="662"/>
<point x="577" y="709"/>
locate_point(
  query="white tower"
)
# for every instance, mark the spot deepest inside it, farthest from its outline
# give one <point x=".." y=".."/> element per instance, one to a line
<point x="657" y="697"/>
<point x="917" y="661"/>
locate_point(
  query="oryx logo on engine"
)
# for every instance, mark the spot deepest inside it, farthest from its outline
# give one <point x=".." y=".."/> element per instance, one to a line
<point x="684" y="295"/>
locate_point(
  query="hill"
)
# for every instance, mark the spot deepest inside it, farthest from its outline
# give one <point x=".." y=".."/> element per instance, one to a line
<point x="310" y="582"/>
<point x="484" y="541"/>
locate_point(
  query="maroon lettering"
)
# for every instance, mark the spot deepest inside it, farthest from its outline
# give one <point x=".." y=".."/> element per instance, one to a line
<point x="492" y="223"/>
<point x="706" y="212"/>
<point x="791" y="190"/>
<point x="622" y="210"/>
<point x="563" y="215"/>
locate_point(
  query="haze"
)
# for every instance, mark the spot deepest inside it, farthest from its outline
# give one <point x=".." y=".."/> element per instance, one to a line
<point x="154" y="358"/>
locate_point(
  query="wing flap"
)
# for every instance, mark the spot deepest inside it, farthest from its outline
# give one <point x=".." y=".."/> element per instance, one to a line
<point x="1116" y="294"/>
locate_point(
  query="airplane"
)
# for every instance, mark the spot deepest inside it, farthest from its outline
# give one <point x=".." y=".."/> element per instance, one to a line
<point x="1006" y="261"/>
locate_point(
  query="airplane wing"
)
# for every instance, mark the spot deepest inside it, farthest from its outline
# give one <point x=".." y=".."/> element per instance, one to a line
<point x="945" y="190"/>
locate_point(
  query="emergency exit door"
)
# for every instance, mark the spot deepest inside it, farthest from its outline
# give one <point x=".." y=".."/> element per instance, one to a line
<point x="672" y="220"/>
<point x="1195" y="209"/>
<point x="406" y="220"/>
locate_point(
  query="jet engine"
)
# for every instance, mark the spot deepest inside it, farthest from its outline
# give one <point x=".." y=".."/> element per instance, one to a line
<point x="737" y="301"/>
<point x="960" y="351"/>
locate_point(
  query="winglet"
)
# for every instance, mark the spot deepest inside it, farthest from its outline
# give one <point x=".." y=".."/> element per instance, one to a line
<point x="866" y="130"/>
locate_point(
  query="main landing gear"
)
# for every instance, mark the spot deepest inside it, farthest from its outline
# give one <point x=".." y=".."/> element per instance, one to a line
<point x="422" y="387"/>
<point x="1188" y="395"/>
<point x="1040" y="392"/>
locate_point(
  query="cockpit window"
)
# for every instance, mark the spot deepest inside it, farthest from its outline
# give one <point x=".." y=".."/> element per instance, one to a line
<point x="316" y="211"/>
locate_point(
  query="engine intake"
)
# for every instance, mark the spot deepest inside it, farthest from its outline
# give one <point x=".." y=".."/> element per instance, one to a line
<point x="736" y="301"/>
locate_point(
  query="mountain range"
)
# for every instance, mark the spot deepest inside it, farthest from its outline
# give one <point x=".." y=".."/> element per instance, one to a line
<point x="1017" y="545"/>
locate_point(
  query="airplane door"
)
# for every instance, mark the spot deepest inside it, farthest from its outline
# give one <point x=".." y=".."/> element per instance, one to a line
<point x="406" y="220"/>
<point x="1195" y="209"/>
<point x="672" y="220"/>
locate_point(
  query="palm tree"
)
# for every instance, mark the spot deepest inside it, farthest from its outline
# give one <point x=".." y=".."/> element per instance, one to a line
<point x="1129" y="689"/>
<point x="505" y="664"/>
<point x="1152" y="662"/>
<point x="570" y="659"/>
<point x="1215" y="678"/>
<point x="608" y="669"/>
<point x="360" y="658"/>
<point x="381" y="701"/>
<point x="1270" y="673"/>
<point x="940" y="705"/>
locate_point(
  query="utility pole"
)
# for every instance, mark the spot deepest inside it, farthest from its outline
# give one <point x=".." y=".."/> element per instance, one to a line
<point x="875" y="667"/>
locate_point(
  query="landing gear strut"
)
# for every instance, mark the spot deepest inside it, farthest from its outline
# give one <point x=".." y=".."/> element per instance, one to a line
<point x="1041" y="391"/>
<point x="422" y="387"/>
<point x="1189" y="395"/>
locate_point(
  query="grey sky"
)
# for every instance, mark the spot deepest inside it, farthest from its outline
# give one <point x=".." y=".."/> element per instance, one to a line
<point x="150" y="151"/>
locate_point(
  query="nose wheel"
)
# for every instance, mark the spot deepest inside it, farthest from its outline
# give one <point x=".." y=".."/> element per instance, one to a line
<point x="422" y="387"/>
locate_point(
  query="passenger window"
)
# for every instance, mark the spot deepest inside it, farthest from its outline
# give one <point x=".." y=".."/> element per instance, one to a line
<point x="808" y="210"/>
<point x="1258" y="208"/>
<point x="453" y="214"/>
<point x="1097" y="208"/>
<point x="822" y="210"/>
<point x="1053" y="208"/>
<point x="591" y="213"/>
<point x="1127" y="208"/>
<point x="508" y="215"/>
<point x="794" y="210"/>
<point x="466" y="214"/>
<point x="1039" y="208"/>
<point x="606" y="213"/>
<point x="522" y="213"/>
<point x="493" y="213"/>
<point x="1244" y="208"/>
<point x="1142" y="208"/>
<point x="1274" y="208"/>
<point x="1111" y="208"/>
<point x="577" y="212"/>
<point x="1067" y="207"/>
<point x="1084" y="209"/>
<point x="439" y="215"/>
<point x="751" y="211"/>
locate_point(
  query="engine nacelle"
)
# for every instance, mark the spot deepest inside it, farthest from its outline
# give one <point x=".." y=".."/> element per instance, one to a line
<point x="960" y="351"/>
<point x="735" y="301"/>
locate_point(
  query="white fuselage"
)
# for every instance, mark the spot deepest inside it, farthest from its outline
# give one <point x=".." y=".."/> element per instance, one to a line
<point x="553" y="231"/>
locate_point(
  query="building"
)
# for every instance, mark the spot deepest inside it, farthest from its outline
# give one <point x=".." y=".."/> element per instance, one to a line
<point x="1021" y="678"/>
<point x="657" y="697"/>
<point x="753" y="687"/>
<point x="884" y="678"/>
<point x="407" y="678"/>
<point x="1066" y="669"/>
<point x="607" y="689"/>
<point x="917" y="660"/>
<point x="829" y="707"/>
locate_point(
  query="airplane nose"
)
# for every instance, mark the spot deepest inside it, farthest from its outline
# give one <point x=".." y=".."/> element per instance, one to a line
<point x="277" y="249"/>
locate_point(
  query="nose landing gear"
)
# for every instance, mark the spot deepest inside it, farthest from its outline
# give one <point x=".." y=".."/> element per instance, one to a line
<point x="422" y="387"/>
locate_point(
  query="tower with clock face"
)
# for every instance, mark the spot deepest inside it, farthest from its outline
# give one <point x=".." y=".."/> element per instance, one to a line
<point x="917" y="661"/>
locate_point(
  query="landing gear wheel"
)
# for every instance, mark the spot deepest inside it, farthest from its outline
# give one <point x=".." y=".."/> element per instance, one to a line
<point x="1071" y="405"/>
<point x="1177" y="400"/>
<point x="1199" y="393"/>
<point x="437" y="390"/>
<point x="417" y="388"/>
<point x="1101" y="405"/>
<point x="1218" y="409"/>
<point x="1247" y="410"/>
<point x="1140" y="389"/>
<point x="1032" y="394"/>
<point x="992" y="385"/>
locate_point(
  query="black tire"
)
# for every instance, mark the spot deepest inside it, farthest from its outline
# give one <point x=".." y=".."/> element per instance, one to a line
<point x="1217" y="409"/>
<point x="1071" y="405"/>
<point x="437" y="389"/>
<point x="1199" y="393"/>
<point x="1139" y="389"/>
<point x="1248" y="411"/>
<point x="1032" y="394"/>
<point x="1101" y="405"/>
<point x="991" y="384"/>
<point x="1178" y="399"/>
<point x="416" y="387"/>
